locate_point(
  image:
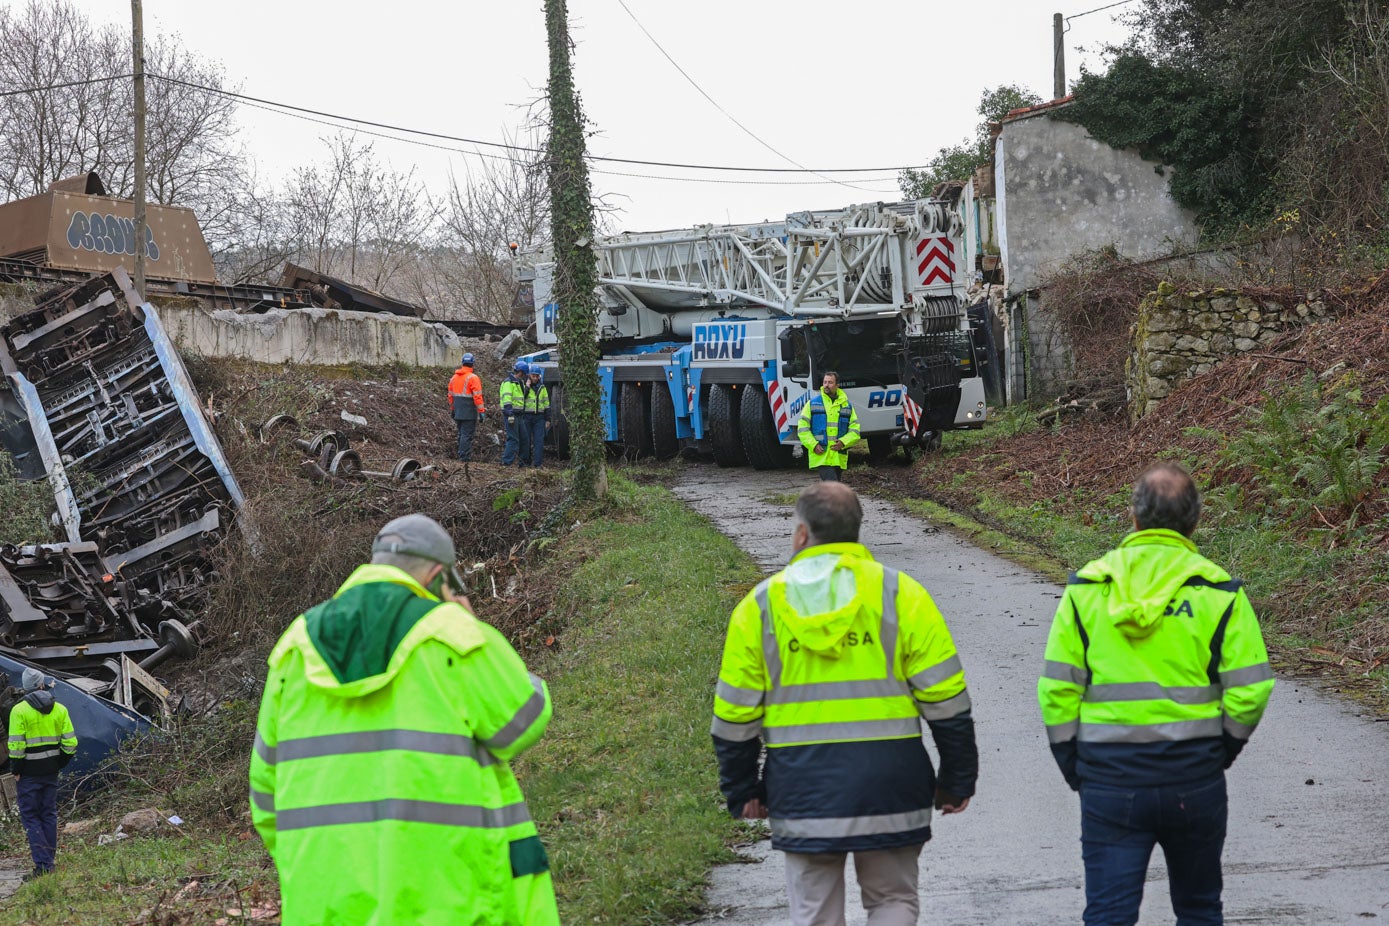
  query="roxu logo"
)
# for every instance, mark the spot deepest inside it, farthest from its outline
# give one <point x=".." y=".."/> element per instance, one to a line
<point x="884" y="398"/>
<point x="720" y="342"/>
<point x="1182" y="609"/>
<point x="852" y="638"/>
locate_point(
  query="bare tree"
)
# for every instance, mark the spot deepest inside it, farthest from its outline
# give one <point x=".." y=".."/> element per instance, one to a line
<point x="502" y="201"/>
<point x="78" y="118"/>
<point x="357" y="217"/>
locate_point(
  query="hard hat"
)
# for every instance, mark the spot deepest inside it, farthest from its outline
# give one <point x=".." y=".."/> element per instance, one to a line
<point x="467" y="360"/>
<point x="522" y="367"/>
<point x="537" y="369"/>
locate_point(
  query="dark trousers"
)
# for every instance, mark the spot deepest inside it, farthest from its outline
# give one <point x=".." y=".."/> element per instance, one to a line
<point x="38" y="811"/>
<point x="1120" y="826"/>
<point x="829" y="474"/>
<point x="513" y="440"/>
<point x="532" y="429"/>
<point x="465" y="438"/>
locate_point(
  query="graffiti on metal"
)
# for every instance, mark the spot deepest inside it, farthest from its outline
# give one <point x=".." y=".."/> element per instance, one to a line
<point x="108" y="234"/>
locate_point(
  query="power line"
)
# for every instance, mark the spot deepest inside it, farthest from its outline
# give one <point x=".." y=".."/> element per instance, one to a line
<point x="75" y="83"/>
<point x="525" y="150"/>
<point x="608" y="173"/>
<point x="734" y="119"/>
<point x="1099" y="9"/>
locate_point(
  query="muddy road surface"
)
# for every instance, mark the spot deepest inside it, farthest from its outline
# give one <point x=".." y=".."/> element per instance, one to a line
<point x="1309" y="798"/>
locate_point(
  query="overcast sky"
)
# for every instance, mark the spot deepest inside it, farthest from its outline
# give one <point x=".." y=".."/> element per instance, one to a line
<point x="843" y="84"/>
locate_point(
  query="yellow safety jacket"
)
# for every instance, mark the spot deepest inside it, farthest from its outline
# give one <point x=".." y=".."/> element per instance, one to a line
<point x="511" y="395"/>
<point x="536" y="400"/>
<point x="380" y="779"/>
<point x="823" y="421"/>
<point x="42" y="739"/>
<point x="834" y="663"/>
<point x="1156" y="671"/>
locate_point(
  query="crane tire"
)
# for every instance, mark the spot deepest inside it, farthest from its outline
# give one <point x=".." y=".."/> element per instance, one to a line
<point x="664" y="444"/>
<point x="559" y="424"/>
<point x="724" y="436"/>
<point x="760" y="442"/>
<point x="634" y="421"/>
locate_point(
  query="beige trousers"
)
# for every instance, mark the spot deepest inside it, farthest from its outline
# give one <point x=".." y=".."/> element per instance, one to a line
<point x="887" y="881"/>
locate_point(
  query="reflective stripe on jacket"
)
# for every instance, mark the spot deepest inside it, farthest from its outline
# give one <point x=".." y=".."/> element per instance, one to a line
<point x="536" y="400"/>
<point x="41" y="743"/>
<point x="466" y="387"/>
<point x="511" y="395"/>
<point x="382" y="750"/>
<point x="1155" y="670"/>
<point x="823" y="421"/>
<point x="833" y="663"/>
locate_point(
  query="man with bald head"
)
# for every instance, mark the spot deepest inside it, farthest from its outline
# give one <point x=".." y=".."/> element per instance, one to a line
<point x="833" y="663"/>
<point x="1155" y="677"/>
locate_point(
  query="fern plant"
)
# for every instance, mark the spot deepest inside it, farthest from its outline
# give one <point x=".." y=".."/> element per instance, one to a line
<point x="1313" y="448"/>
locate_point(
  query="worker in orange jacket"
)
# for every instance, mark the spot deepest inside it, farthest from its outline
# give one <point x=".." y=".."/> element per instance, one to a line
<point x="466" y="402"/>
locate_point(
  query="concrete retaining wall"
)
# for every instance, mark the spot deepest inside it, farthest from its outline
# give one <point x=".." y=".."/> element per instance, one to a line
<point x="311" y="336"/>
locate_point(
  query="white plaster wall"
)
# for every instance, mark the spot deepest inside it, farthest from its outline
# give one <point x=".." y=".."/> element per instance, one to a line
<point x="1061" y="192"/>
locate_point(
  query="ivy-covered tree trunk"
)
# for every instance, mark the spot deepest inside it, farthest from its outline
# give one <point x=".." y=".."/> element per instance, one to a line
<point x="576" y="273"/>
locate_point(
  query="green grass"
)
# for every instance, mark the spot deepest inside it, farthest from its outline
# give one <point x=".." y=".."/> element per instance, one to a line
<point x="115" y="884"/>
<point x="625" y="784"/>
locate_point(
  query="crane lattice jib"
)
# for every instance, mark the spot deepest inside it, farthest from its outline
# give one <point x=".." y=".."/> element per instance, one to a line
<point x="840" y="263"/>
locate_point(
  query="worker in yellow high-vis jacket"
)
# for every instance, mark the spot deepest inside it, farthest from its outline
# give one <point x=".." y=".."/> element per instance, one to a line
<point x="380" y="779"/>
<point x="42" y="742"/>
<point x="1156" y="675"/>
<point x="828" y="427"/>
<point x="834" y="663"/>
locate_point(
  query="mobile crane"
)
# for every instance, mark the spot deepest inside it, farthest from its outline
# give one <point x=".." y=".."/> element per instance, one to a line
<point x="716" y="336"/>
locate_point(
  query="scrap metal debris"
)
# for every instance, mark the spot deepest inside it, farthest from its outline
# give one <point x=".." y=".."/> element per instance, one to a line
<point x="142" y="488"/>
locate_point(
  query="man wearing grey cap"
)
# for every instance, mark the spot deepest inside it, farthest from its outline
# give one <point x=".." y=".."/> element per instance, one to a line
<point x="42" y="741"/>
<point x="380" y="777"/>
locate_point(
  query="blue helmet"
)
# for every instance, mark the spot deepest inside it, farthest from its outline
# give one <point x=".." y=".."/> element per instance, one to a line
<point x="468" y="359"/>
<point x="522" y="367"/>
<point x="537" y="369"/>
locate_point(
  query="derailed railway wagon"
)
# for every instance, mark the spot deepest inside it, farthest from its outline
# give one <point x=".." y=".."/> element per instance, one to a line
<point x="714" y="337"/>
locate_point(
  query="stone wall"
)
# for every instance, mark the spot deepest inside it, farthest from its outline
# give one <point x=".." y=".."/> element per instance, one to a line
<point x="311" y="336"/>
<point x="1179" y="335"/>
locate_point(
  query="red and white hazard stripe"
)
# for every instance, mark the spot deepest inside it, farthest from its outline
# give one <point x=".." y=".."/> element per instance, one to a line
<point x="911" y="414"/>
<point x="778" y="405"/>
<point x="935" y="255"/>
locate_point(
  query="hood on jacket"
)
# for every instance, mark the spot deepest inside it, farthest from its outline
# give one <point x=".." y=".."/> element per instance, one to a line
<point x="40" y="700"/>
<point x="1145" y="571"/>
<point x="817" y="597"/>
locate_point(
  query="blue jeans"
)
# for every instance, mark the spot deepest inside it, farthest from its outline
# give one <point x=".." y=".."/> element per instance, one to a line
<point x="465" y="438"/>
<point x="532" y="439"/>
<point x="37" y="796"/>
<point x="1118" y="829"/>
<point x="513" y="439"/>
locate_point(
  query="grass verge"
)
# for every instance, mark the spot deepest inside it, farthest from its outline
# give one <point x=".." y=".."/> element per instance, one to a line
<point x="624" y="783"/>
<point x="623" y="786"/>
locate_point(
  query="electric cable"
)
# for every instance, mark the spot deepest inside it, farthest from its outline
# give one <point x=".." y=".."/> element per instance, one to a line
<point x="525" y="150"/>
<point x="715" y="103"/>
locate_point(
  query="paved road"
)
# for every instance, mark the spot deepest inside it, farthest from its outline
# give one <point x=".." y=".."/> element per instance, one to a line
<point x="1309" y="809"/>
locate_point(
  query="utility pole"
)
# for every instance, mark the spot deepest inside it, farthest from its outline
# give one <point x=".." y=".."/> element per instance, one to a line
<point x="1058" y="45"/>
<point x="138" y="39"/>
<point x="576" y="270"/>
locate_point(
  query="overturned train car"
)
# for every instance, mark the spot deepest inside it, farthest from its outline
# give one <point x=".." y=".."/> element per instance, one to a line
<point x="100" y="404"/>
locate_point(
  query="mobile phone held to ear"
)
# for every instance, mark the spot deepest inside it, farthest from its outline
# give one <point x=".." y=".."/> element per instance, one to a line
<point x="450" y="575"/>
